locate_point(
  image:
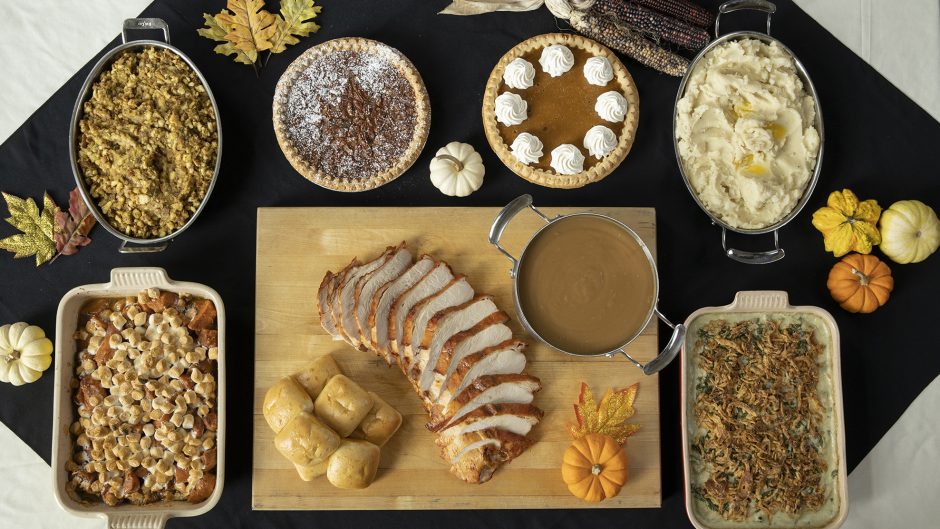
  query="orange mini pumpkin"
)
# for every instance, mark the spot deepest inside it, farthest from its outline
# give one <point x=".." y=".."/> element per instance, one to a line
<point x="860" y="283"/>
<point x="594" y="467"/>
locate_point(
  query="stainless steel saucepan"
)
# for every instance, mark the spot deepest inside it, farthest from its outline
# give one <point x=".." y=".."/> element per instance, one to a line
<point x="525" y="202"/>
<point x="777" y="253"/>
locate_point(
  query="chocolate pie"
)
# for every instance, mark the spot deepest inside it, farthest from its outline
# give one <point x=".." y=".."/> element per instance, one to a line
<point x="560" y="110"/>
<point x="351" y="114"/>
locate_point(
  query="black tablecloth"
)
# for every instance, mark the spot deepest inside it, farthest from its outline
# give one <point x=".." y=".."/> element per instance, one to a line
<point x="878" y="143"/>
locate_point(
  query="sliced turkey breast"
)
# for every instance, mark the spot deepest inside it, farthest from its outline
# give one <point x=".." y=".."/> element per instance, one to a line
<point x="382" y="304"/>
<point x="503" y="359"/>
<point x="516" y="418"/>
<point x="457" y="292"/>
<point x="488" y="389"/>
<point x="429" y="285"/>
<point x="345" y="303"/>
<point x="475" y="457"/>
<point x="489" y="332"/>
<point x="370" y="283"/>
<point x="332" y="298"/>
<point x="323" y="296"/>
<point x="441" y="327"/>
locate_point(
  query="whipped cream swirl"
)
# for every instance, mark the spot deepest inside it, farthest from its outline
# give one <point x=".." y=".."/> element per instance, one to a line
<point x="567" y="159"/>
<point x="600" y="141"/>
<point x="526" y="148"/>
<point x="611" y="106"/>
<point x="556" y="60"/>
<point x="511" y="109"/>
<point x="519" y="74"/>
<point x="598" y="71"/>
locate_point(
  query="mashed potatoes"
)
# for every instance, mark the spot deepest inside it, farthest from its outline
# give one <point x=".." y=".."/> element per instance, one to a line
<point x="745" y="133"/>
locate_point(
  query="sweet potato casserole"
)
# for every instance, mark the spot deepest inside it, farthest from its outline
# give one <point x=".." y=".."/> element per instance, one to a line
<point x="762" y="445"/>
<point x="145" y="396"/>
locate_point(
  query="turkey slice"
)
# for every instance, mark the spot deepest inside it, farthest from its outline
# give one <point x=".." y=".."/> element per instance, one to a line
<point x="476" y="456"/>
<point x="323" y="307"/>
<point x="505" y="358"/>
<point x="457" y="292"/>
<point x="488" y="389"/>
<point x="370" y="283"/>
<point x="332" y="302"/>
<point x="381" y="304"/>
<point x="489" y="332"/>
<point x="516" y="418"/>
<point x="429" y="285"/>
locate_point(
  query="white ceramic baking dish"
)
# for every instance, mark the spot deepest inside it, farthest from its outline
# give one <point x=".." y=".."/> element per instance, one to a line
<point x="757" y="303"/>
<point x="124" y="282"/>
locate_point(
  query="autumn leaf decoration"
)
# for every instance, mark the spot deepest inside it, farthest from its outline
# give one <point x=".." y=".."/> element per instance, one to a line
<point x="49" y="233"/>
<point x="245" y="28"/>
<point x="607" y="418"/>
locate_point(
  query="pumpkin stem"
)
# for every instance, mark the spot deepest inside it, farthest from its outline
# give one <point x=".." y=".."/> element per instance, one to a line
<point x="862" y="278"/>
<point x="458" y="165"/>
<point x="596" y="469"/>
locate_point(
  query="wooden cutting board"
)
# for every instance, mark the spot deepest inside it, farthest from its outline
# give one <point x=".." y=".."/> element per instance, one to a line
<point x="296" y="246"/>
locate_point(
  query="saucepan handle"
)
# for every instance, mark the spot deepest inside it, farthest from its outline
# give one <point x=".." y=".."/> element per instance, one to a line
<point x="128" y="247"/>
<point x="668" y="353"/>
<point x="502" y="220"/>
<point x="737" y="5"/>
<point x="145" y="23"/>
<point x="746" y="257"/>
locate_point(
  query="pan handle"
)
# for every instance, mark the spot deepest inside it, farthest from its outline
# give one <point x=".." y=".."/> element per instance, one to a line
<point x="737" y="5"/>
<point x="127" y="247"/>
<point x="668" y="353"/>
<point x="145" y="23"/>
<point x="502" y="220"/>
<point x="746" y="257"/>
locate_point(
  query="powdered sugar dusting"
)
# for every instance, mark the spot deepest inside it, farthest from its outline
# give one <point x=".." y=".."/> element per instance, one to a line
<point x="351" y="114"/>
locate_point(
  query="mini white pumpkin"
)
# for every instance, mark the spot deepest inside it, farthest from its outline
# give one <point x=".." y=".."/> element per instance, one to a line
<point x="25" y="353"/>
<point x="457" y="169"/>
<point x="910" y="231"/>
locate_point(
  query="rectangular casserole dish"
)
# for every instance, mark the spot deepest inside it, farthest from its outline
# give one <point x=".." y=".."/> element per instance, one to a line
<point x="124" y="282"/>
<point x="763" y="305"/>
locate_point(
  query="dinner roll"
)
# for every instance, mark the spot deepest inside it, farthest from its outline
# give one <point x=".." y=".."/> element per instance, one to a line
<point x="314" y="376"/>
<point x="380" y="424"/>
<point x="353" y="464"/>
<point x="284" y="401"/>
<point x="310" y="472"/>
<point x="306" y="441"/>
<point x="342" y="404"/>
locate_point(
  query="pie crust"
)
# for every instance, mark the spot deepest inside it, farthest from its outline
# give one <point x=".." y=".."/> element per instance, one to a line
<point x="394" y="168"/>
<point x="622" y="81"/>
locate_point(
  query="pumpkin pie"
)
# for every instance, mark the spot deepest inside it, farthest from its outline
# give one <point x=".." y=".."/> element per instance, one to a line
<point x="351" y="114"/>
<point x="560" y="110"/>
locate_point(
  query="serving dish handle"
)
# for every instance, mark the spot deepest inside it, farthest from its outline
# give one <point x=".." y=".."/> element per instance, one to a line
<point x="746" y="257"/>
<point x="738" y="5"/>
<point x="136" y="521"/>
<point x="668" y="353"/>
<point x="145" y="23"/>
<point x="129" y="247"/>
<point x="502" y="220"/>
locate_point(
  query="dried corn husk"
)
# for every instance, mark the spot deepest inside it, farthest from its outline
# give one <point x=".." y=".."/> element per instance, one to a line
<point x="476" y="7"/>
<point x="682" y="10"/>
<point x="656" y="25"/>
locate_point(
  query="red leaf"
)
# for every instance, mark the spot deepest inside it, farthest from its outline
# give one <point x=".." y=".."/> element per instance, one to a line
<point x="74" y="226"/>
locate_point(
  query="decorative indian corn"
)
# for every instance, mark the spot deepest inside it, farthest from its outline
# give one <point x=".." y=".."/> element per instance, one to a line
<point x="654" y="24"/>
<point x="628" y="41"/>
<point x="681" y="9"/>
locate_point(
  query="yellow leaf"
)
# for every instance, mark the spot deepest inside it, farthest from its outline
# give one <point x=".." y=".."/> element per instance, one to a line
<point x="607" y="418"/>
<point x="38" y="229"/>
<point x="295" y="20"/>
<point x="216" y="30"/>
<point x="251" y="27"/>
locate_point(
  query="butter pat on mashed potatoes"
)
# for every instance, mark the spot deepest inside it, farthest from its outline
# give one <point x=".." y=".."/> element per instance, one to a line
<point x="746" y="135"/>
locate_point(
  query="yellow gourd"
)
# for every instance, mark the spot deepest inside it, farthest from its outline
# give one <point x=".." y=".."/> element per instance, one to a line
<point x="25" y="353"/>
<point x="847" y="224"/>
<point x="910" y="231"/>
<point x="594" y="467"/>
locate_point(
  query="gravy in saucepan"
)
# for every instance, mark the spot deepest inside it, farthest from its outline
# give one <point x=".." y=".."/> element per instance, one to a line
<point x="586" y="285"/>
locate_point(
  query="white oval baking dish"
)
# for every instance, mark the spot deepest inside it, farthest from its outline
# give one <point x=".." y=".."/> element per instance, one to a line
<point x="748" y="304"/>
<point x="124" y="282"/>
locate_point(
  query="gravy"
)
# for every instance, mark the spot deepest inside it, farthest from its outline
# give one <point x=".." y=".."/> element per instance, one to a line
<point x="585" y="285"/>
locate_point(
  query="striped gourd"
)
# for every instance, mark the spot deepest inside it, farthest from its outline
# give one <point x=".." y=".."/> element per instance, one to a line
<point x="656" y="25"/>
<point x="628" y="41"/>
<point x="681" y="9"/>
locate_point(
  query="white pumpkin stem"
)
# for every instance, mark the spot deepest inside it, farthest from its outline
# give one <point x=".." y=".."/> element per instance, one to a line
<point x="458" y="165"/>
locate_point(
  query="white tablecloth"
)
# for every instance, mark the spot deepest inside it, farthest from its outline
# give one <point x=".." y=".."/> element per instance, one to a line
<point x="44" y="42"/>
